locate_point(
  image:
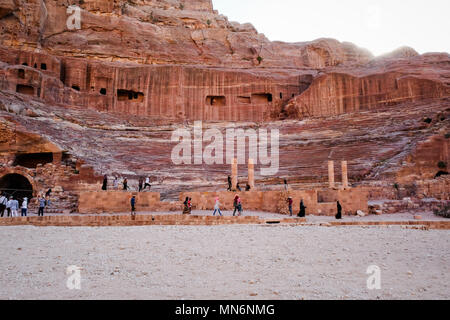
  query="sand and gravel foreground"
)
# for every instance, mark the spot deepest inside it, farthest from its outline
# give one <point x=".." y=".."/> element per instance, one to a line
<point x="224" y="262"/>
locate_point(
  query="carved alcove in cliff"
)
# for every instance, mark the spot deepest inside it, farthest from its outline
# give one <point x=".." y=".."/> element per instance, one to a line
<point x="24" y="89"/>
<point x="129" y="95"/>
<point x="262" y="98"/>
<point x="31" y="160"/>
<point x="219" y="101"/>
<point x="16" y="185"/>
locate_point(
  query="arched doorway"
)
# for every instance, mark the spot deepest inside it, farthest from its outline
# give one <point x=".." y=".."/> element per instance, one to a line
<point x="16" y="185"/>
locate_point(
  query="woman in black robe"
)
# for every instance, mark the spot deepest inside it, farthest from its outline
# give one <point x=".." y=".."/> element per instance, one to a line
<point x="339" y="211"/>
<point x="186" y="209"/>
<point x="302" y="212"/>
<point x="105" y="183"/>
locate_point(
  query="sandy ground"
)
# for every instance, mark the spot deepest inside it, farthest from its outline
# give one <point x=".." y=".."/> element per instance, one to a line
<point x="224" y="262"/>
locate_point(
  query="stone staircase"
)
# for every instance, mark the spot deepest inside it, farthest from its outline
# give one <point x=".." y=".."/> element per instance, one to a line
<point x="62" y="203"/>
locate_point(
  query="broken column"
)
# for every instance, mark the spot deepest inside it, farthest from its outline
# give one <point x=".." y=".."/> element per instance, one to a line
<point x="344" y="175"/>
<point x="251" y="174"/>
<point x="331" y="173"/>
<point x="234" y="174"/>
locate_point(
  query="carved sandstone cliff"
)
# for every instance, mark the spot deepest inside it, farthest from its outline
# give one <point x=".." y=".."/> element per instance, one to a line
<point x="381" y="83"/>
<point x="160" y="32"/>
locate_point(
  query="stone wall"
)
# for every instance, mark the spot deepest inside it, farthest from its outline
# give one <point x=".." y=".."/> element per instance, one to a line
<point x="119" y="202"/>
<point x="422" y="164"/>
<point x="438" y="188"/>
<point x="352" y="200"/>
<point x="267" y="201"/>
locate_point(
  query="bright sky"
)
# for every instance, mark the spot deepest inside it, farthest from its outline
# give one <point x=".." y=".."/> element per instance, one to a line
<point x="378" y="25"/>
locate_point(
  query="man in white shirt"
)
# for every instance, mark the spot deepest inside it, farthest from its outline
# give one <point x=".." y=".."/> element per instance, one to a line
<point x="3" y="201"/>
<point x="14" y="207"/>
<point x="24" y="207"/>
<point x="147" y="183"/>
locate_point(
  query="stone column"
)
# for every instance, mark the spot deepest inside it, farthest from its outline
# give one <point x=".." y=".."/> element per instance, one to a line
<point x="344" y="175"/>
<point x="331" y="173"/>
<point x="251" y="174"/>
<point x="234" y="174"/>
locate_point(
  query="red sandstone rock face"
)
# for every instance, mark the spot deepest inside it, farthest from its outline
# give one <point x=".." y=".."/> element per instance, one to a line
<point x="135" y="34"/>
<point x="171" y="92"/>
<point x="381" y="83"/>
<point x="423" y="164"/>
<point x="376" y="143"/>
<point x="157" y="32"/>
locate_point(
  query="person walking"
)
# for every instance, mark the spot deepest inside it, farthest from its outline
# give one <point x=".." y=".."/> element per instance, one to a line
<point x="302" y="212"/>
<point x="286" y="186"/>
<point x="14" y="207"/>
<point x="105" y="183"/>
<point x="240" y="206"/>
<point x="42" y="203"/>
<point x="237" y="203"/>
<point x="125" y="184"/>
<point x="290" y="203"/>
<point x="24" y="207"/>
<point x="133" y="206"/>
<point x="141" y="184"/>
<point x="186" y="206"/>
<point x="116" y="183"/>
<point x="217" y="207"/>
<point x="147" y="183"/>
<point x="3" y="201"/>
<point x="190" y="205"/>
<point x="229" y="183"/>
<point x="339" y="211"/>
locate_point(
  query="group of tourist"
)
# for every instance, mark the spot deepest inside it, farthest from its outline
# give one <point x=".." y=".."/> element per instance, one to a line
<point x="11" y="206"/>
<point x="302" y="212"/>
<point x="141" y="184"/>
<point x="187" y="206"/>
<point x="237" y="204"/>
<point x="238" y="188"/>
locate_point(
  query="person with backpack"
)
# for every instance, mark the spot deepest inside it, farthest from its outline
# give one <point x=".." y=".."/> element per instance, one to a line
<point x="237" y="203"/>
